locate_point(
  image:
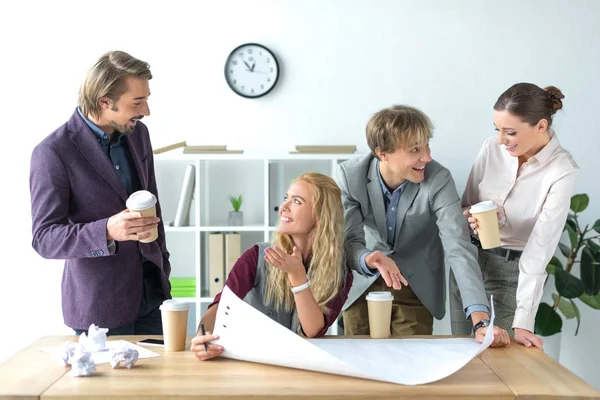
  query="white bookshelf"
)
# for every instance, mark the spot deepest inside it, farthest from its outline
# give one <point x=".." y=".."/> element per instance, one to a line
<point x="261" y="180"/>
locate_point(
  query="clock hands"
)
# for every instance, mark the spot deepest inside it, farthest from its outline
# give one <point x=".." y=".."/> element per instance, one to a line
<point x="251" y="68"/>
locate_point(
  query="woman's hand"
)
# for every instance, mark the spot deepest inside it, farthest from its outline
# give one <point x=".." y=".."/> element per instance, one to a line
<point x="290" y="263"/>
<point x="200" y="352"/>
<point x="472" y="221"/>
<point x="528" y="339"/>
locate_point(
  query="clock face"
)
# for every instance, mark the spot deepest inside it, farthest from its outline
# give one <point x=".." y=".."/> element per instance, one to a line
<point x="251" y="70"/>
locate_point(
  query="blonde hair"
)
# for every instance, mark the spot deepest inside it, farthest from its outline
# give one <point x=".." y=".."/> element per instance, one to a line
<point x="326" y="270"/>
<point x="398" y="126"/>
<point x="107" y="78"/>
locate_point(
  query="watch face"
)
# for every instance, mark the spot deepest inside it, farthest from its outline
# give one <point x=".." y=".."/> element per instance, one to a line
<point x="251" y="70"/>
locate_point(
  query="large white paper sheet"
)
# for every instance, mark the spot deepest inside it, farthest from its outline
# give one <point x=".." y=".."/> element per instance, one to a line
<point x="103" y="357"/>
<point x="247" y="334"/>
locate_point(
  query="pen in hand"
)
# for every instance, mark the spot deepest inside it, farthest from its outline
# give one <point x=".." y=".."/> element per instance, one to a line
<point x="203" y="333"/>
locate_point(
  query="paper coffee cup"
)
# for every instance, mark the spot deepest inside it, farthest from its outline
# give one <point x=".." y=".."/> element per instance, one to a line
<point x="144" y="202"/>
<point x="174" y="315"/>
<point x="487" y="221"/>
<point x="380" y="314"/>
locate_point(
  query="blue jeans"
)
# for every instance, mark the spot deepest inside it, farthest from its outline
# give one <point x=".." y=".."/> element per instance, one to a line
<point x="148" y="321"/>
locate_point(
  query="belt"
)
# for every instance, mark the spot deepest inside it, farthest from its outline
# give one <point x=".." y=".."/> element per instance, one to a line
<point x="508" y="254"/>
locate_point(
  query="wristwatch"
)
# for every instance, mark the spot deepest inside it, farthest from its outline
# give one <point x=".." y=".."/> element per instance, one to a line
<point x="480" y="324"/>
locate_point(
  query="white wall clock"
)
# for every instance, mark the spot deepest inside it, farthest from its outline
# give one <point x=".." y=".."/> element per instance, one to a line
<point x="251" y="70"/>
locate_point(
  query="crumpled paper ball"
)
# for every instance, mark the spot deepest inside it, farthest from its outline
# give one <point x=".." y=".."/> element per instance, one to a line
<point x="81" y="362"/>
<point x="67" y="352"/>
<point x="126" y="354"/>
<point x="95" y="340"/>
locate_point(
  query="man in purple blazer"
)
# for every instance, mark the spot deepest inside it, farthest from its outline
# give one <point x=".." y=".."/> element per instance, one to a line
<point x="81" y="176"/>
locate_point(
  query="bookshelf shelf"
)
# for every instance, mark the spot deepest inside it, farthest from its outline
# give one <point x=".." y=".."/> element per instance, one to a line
<point x="262" y="180"/>
<point x="180" y="229"/>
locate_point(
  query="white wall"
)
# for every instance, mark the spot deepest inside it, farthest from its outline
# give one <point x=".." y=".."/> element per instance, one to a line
<point x="341" y="61"/>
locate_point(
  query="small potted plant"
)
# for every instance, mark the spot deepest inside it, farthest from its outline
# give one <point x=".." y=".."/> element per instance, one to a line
<point x="236" y="217"/>
<point x="583" y="248"/>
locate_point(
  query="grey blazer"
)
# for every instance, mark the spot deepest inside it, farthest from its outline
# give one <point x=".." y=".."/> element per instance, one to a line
<point x="430" y="225"/>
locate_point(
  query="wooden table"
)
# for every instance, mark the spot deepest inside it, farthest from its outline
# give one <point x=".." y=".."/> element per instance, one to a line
<point x="507" y="373"/>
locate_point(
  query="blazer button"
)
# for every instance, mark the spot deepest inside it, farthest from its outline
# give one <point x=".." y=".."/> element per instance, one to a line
<point x="269" y="313"/>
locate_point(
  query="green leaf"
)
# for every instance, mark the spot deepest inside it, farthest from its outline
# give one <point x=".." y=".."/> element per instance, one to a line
<point x="547" y="321"/>
<point x="564" y="249"/>
<point x="595" y="247"/>
<point x="571" y="222"/>
<point x="579" y="202"/>
<point x="590" y="272"/>
<point x="577" y="316"/>
<point x="565" y="307"/>
<point x="596" y="226"/>
<point x="552" y="265"/>
<point x="572" y="234"/>
<point x="592" y="301"/>
<point x="568" y="286"/>
<point x="236" y="202"/>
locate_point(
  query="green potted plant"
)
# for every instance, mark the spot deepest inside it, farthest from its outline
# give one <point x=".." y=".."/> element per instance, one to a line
<point x="236" y="217"/>
<point x="583" y="248"/>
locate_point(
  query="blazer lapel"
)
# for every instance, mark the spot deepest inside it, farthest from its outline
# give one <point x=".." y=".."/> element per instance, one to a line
<point x="134" y="150"/>
<point x="376" y="199"/>
<point x="406" y="199"/>
<point x="84" y="139"/>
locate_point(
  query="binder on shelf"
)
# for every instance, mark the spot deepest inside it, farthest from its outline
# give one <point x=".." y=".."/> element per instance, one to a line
<point x="169" y="147"/>
<point x="182" y="216"/>
<point x="233" y="251"/>
<point x="216" y="263"/>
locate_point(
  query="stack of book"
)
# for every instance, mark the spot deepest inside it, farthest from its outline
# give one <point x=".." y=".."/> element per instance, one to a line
<point x="169" y="147"/>
<point x="209" y="149"/>
<point x="325" y="149"/>
<point x="183" y="287"/>
<point x="215" y="149"/>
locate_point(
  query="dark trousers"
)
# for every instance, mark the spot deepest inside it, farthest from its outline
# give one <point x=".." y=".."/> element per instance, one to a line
<point x="148" y="321"/>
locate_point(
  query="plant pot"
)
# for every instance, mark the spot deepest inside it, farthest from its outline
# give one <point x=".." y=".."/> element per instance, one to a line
<point x="236" y="218"/>
<point x="552" y="345"/>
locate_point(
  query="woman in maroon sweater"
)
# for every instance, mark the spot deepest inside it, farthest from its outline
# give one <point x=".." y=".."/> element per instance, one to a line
<point x="301" y="278"/>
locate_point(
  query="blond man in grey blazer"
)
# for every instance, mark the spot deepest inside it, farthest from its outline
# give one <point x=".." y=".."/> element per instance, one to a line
<point x="403" y="217"/>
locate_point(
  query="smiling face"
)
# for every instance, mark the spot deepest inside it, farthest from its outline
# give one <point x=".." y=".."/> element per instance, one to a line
<point x="123" y="114"/>
<point x="296" y="211"/>
<point x="519" y="138"/>
<point x="405" y="163"/>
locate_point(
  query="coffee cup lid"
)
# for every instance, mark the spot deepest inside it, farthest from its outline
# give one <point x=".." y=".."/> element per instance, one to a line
<point x="380" y="296"/>
<point x="141" y="200"/>
<point x="174" y="305"/>
<point x="483" y="207"/>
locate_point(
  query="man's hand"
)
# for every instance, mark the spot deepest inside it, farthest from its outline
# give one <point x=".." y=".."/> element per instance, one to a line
<point x="501" y="337"/>
<point x="130" y="225"/>
<point x="387" y="268"/>
<point x="528" y="339"/>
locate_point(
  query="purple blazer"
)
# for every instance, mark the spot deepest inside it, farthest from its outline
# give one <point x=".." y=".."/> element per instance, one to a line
<point x="74" y="190"/>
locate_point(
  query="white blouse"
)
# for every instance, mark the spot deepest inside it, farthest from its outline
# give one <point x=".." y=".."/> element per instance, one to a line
<point x="533" y="202"/>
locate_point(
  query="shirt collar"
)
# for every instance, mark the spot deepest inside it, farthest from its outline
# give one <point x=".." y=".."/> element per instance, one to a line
<point x="544" y="154"/>
<point x="102" y="136"/>
<point x="384" y="186"/>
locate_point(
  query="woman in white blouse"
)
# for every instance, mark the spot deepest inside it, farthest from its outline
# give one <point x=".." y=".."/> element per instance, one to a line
<point x="530" y="178"/>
